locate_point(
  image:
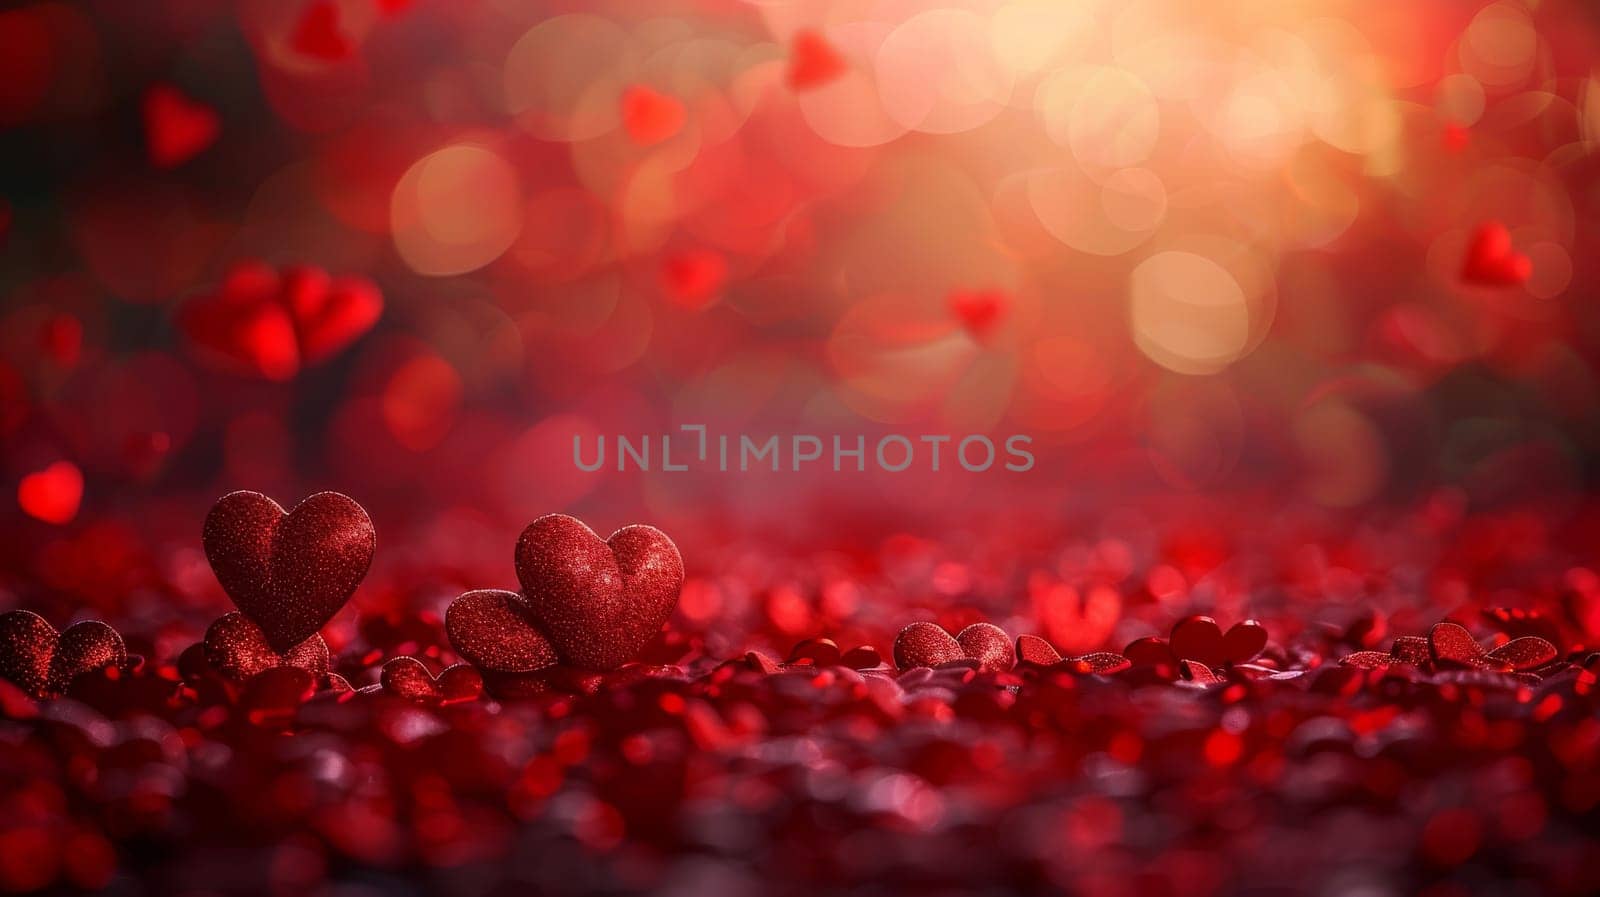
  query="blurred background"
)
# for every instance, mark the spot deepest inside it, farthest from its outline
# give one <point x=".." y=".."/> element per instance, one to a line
<point x="1242" y="266"/>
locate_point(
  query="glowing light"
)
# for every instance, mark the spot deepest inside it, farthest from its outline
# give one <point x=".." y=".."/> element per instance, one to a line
<point x="456" y="210"/>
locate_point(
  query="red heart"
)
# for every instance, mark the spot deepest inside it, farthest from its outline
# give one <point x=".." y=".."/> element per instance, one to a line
<point x="979" y="310"/>
<point x="813" y="62"/>
<point x="238" y="649"/>
<point x="1198" y="638"/>
<point x="1452" y="645"/>
<point x="924" y="644"/>
<point x="242" y="327"/>
<point x="491" y="629"/>
<point x="328" y="313"/>
<point x="1243" y="641"/>
<point x="1490" y="260"/>
<point x="408" y="678"/>
<point x="1411" y="649"/>
<point x="598" y="602"/>
<point x="1098" y="662"/>
<point x="650" y="116"/>
<point x="43" y="662"/>
<point x="1035" y="650"/>
<point x="989" y="645"/>
<point x="289" y="573"/>
<point x="693" y="279"/>
<point x="317" y="34"/>
<point x="52" y="494"/>
<point x="1526" y="653"/>
<point x="176" y="128"/>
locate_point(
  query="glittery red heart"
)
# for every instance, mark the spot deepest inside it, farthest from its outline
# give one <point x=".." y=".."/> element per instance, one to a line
<point x="989" y="645"/>
<point x="1035" y="650"/>
<point x="492" y="629"/>
<point x="1411" y="649"/>
<point x="924" y="644"/>
<point x="238" y="649"/>
<point x="408" y="678"/>
<point x="1526" y="653"/>
<point x="1452" y="645"/>
<point x="44" y="662"/>
<point x="598" y="601"/>
<point x="289" y="573"/>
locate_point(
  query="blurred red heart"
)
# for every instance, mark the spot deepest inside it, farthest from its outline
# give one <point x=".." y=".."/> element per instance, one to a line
<point x="1491" y="261"/>
<point x="650" y="116"/>
<point x="43" y="662"/>
<point x="924" y="644"/>
<point x="52" y="494"/>
<point x="289" y="573"/>
<point x="176" y="128"/>
<point x="408" y="678"/>
<point x="318" y="35"/>
<point x="813" y="62"/>
<point x="598" y="601"/>
<point x="493" y="630"/>
<point x="693" y="279"/>
<point x="989" y="645"/>
<point x="979" y="310"/>
<point x="328" y="313"/>
<point x="238" y="649"/>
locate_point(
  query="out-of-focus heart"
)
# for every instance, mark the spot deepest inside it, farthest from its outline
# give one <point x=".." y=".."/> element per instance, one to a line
<point x="598" y="601"/>
<point x="52" y="494"/>
<point x="43" y="662"/>
<point x="289" y="573"/>
<point x="176" y="128"/>
<point x="650" y="116"/>
<point x="1491" y="261"/>
<point x="813" y="61"/>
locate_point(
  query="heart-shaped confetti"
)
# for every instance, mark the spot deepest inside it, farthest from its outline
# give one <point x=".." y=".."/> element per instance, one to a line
<point x="989" y="645"/>
<point x="599" y="602"/>
<point x="43" y="662"/>
<point x="1491" y="261"/>
<point x="1526" y="653"/>
<point x="328" y="313"/>
<point x="408" y="678"/>
<point x="924" y="644"/>
<point x="238" y="649"/>
<point x="493" y="630"/>
<point x="289" y="572"/>
<point x="1101" y="663"/>
<point x="177" y="128"/>
<point x="1034" y="650"/>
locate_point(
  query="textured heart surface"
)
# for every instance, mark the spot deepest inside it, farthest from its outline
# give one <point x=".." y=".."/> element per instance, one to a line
<point x="598" y="601"/>
<point x="238" y="649"/>
<point x="43" y="662"/>
<point x="408" y="678"/>
<point x="289" y="573"/>
<point x="989" y="645"/>
<point x="493" y="630"/>
<point x="924" y="644"/>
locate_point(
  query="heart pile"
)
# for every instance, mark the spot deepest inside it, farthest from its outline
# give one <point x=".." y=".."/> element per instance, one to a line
<point x="43" y="662"/>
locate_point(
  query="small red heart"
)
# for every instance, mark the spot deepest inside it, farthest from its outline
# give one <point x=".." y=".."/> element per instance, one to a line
<point x="924" y="644"/>
<point x="176" y="128"/>
<point x="289" y="573"/>
<point x="693" y="279"/>
<point x="52" y="494"/>
<point x="1491" y="261"/>
<point x="1035" y="650"/>
<point x="238" y="649"/>
<point x="862" y="657"/>
<point x="408" y="678"/>
<point x="989" y="645"/>
<point x="492" y="629"/>
<point x="813" y="61"/>
<point x="1411" y="649"/>
<point x="979" y="310"/>
<point x="1450" y="644"/>
<point x="1526" y="653"/>
<point x="329" y="313"/>
<point x="1244" y="641"/>
<point x="599" y="602"/>
<point x="318" y="34"/>
<point x="1198" y="638"/>
<point x="1098" y="662"/>
<point x="650" y="116"/>
<point x="43" y="662"/>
